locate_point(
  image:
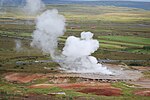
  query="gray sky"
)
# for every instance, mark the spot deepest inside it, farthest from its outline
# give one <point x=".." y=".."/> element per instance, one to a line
<point x="113" y="0"/>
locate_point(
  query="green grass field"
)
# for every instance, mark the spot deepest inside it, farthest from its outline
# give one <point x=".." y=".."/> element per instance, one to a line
<point x="131" y="44"/>
<point x="123" y="33"/>
<point x="101" y="20"/>
<point x="128" y="39"/>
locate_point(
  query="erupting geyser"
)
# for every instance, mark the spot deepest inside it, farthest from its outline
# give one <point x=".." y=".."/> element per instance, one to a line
<point x="75" y="56"/>
<point x="77" y="53"/>
<point x="49" y="26"/>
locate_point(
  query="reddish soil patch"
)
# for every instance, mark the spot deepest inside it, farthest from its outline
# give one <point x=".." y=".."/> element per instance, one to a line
<point x="103" y="91"/>
<point x="22" y="77"/>
<point x="67" y="86"/>
<point x="96" y="88"/>
<point x="73" y="85"/>
<point x="143" y="93"/>
<point x="82" y="85"/>
<point x="42" y="86"/>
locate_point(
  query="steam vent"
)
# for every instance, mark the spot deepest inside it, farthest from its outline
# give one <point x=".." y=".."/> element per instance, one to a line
<point x="74" y="49"/>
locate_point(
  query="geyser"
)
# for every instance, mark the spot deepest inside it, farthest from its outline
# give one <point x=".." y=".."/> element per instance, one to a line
<point x="49" y="26"/>
<point x="76" y="55"/>
<point x="33" y="7"/>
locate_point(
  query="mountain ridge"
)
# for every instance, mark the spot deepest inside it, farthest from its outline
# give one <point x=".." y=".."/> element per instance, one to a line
<point x="132" y="4"/>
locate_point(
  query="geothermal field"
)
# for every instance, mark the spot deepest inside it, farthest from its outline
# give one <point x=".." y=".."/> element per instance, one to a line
<point x="74" y="50"/>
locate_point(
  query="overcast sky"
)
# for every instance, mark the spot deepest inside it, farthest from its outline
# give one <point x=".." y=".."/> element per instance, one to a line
<point x="113" y="0"/>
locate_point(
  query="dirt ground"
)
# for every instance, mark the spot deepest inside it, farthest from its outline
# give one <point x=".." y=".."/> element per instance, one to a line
<point x="22" y="77"/>
<point x="102" y="91"/>
<point x="74" y="85"/>
<point x="119" y="73"/>
<point x="85" y="83"/>
<point x="95" y="88"/>
<point x="143" y="93"/>
<point x="141" y="83"/>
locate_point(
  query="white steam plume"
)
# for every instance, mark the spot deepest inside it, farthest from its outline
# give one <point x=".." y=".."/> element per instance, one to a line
<point x="79" y="47"/>
<point x="18" y="45"/>
<point x="78" y="51"/>
<point x="49" y="26"/>
<point x="33" y="7"/>
<point x="75" y="56"/>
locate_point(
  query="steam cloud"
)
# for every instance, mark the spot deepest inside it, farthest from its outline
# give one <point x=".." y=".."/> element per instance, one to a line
<point x="75" y="56"/>
<point x="49" y="26"/>
<point x="18" y="45"/>
<point x="77" y="53"/>
<point x="33" y="7"/>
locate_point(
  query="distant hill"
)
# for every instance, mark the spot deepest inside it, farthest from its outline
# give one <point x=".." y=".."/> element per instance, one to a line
<point x="142" y="5"/>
